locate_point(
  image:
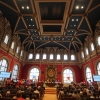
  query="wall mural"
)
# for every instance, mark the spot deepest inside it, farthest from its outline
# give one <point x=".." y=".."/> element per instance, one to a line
<point x="51" y="73"/>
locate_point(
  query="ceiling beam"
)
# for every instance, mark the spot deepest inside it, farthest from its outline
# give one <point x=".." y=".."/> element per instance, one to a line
<point x="8" y="6"/>
<point x="89" y="25"/>
<point x="76" y="45"/>
<point x="16" y="24"/>
<point x="94" y="8"/>
<point x="88" y="5"/>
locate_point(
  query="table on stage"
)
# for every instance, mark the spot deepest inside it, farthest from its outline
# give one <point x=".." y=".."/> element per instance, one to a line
<point x="52" y="84"/>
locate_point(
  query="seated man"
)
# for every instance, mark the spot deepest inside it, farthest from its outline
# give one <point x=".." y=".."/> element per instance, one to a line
<point x="19" y="96"/>
<point x="8" y="94"/>
<point x="0" y="96"/>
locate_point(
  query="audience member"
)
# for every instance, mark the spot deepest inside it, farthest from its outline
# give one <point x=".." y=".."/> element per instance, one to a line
<point x="19" y="96"/>
<point x="0" y="95"/>
<point x="7" y="94"/>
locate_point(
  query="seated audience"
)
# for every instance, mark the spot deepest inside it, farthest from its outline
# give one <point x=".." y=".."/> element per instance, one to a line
<point x="75" y="95"/>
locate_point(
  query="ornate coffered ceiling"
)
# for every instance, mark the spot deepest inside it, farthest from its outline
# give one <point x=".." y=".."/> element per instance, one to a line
<point x="52" y="23"/>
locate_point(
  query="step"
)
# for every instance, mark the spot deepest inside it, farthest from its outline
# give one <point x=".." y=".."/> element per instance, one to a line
<point x="50" y="91"/>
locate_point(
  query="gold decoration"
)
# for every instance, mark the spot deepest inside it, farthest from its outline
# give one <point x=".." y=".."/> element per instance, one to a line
<point x="51" y="73"/>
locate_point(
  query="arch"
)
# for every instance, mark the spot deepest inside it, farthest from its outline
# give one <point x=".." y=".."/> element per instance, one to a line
<point x="88" y="74"/>
<point x="91" y="46"/>
<point x="37" y="56"/>
<point x="86" y="51"/>
<point x="82" y="54"/>
<point x="36" y="75"/>
<point x="58" y="56"/>
<point x="3" y="66"/>
<point x="95" y="63"/>
<point x="15" y="71"/>
<point x="12" y="45"/>
<point x="72" y="75"/>
<point x="30" y="56"/>
<point x="98" y="68"/>
<point x="44" y="56"/>
<point x="98" y="40"/>
<point x="72" y="57"/>
<point x="51" y="56"/>
<point x="6" y="39"/>
<point x="65" y="56"/>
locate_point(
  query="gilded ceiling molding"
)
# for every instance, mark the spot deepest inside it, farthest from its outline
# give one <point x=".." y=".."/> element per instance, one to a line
<point x="61" y="45"/>
<point x="41" y="45"/>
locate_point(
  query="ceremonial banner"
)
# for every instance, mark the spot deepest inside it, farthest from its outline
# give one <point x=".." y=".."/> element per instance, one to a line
<point x="51" y="73"/>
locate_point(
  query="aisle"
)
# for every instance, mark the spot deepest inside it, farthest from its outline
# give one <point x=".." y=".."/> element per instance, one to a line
<point x="49" y="97"/>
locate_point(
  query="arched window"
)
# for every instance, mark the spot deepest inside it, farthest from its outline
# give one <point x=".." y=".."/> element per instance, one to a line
<point x="58" y="56"/>
<point x="92" y="47"/>
<point x="67" y="76"/>
<point x="17" y="50"/>
<point x="87" y="52"/>
<point x="98" y="40"/>
<point x="88" y="74"/>
<point x="98" y="68"/>
<point x="21" y="53"/>
<point x="12" y="45"/>
<point x="72" y="57"/>
<point x="6" y="39"/>
<point x="44" y="56"/>
<point x="14" y="72"/>
<point x="51" y="56"/>
<point x="34" y="74"/>
<point x="82" y="54"/>
<point x="3" y="66"/>
<point x="65" y="57"/>
<point x="30" y="56"/>
<point x="37" y="56"/>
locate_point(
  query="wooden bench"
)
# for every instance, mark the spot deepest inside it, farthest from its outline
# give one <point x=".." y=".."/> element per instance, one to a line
<point x="68" y="98"/>
<point x="7" y="99"/>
